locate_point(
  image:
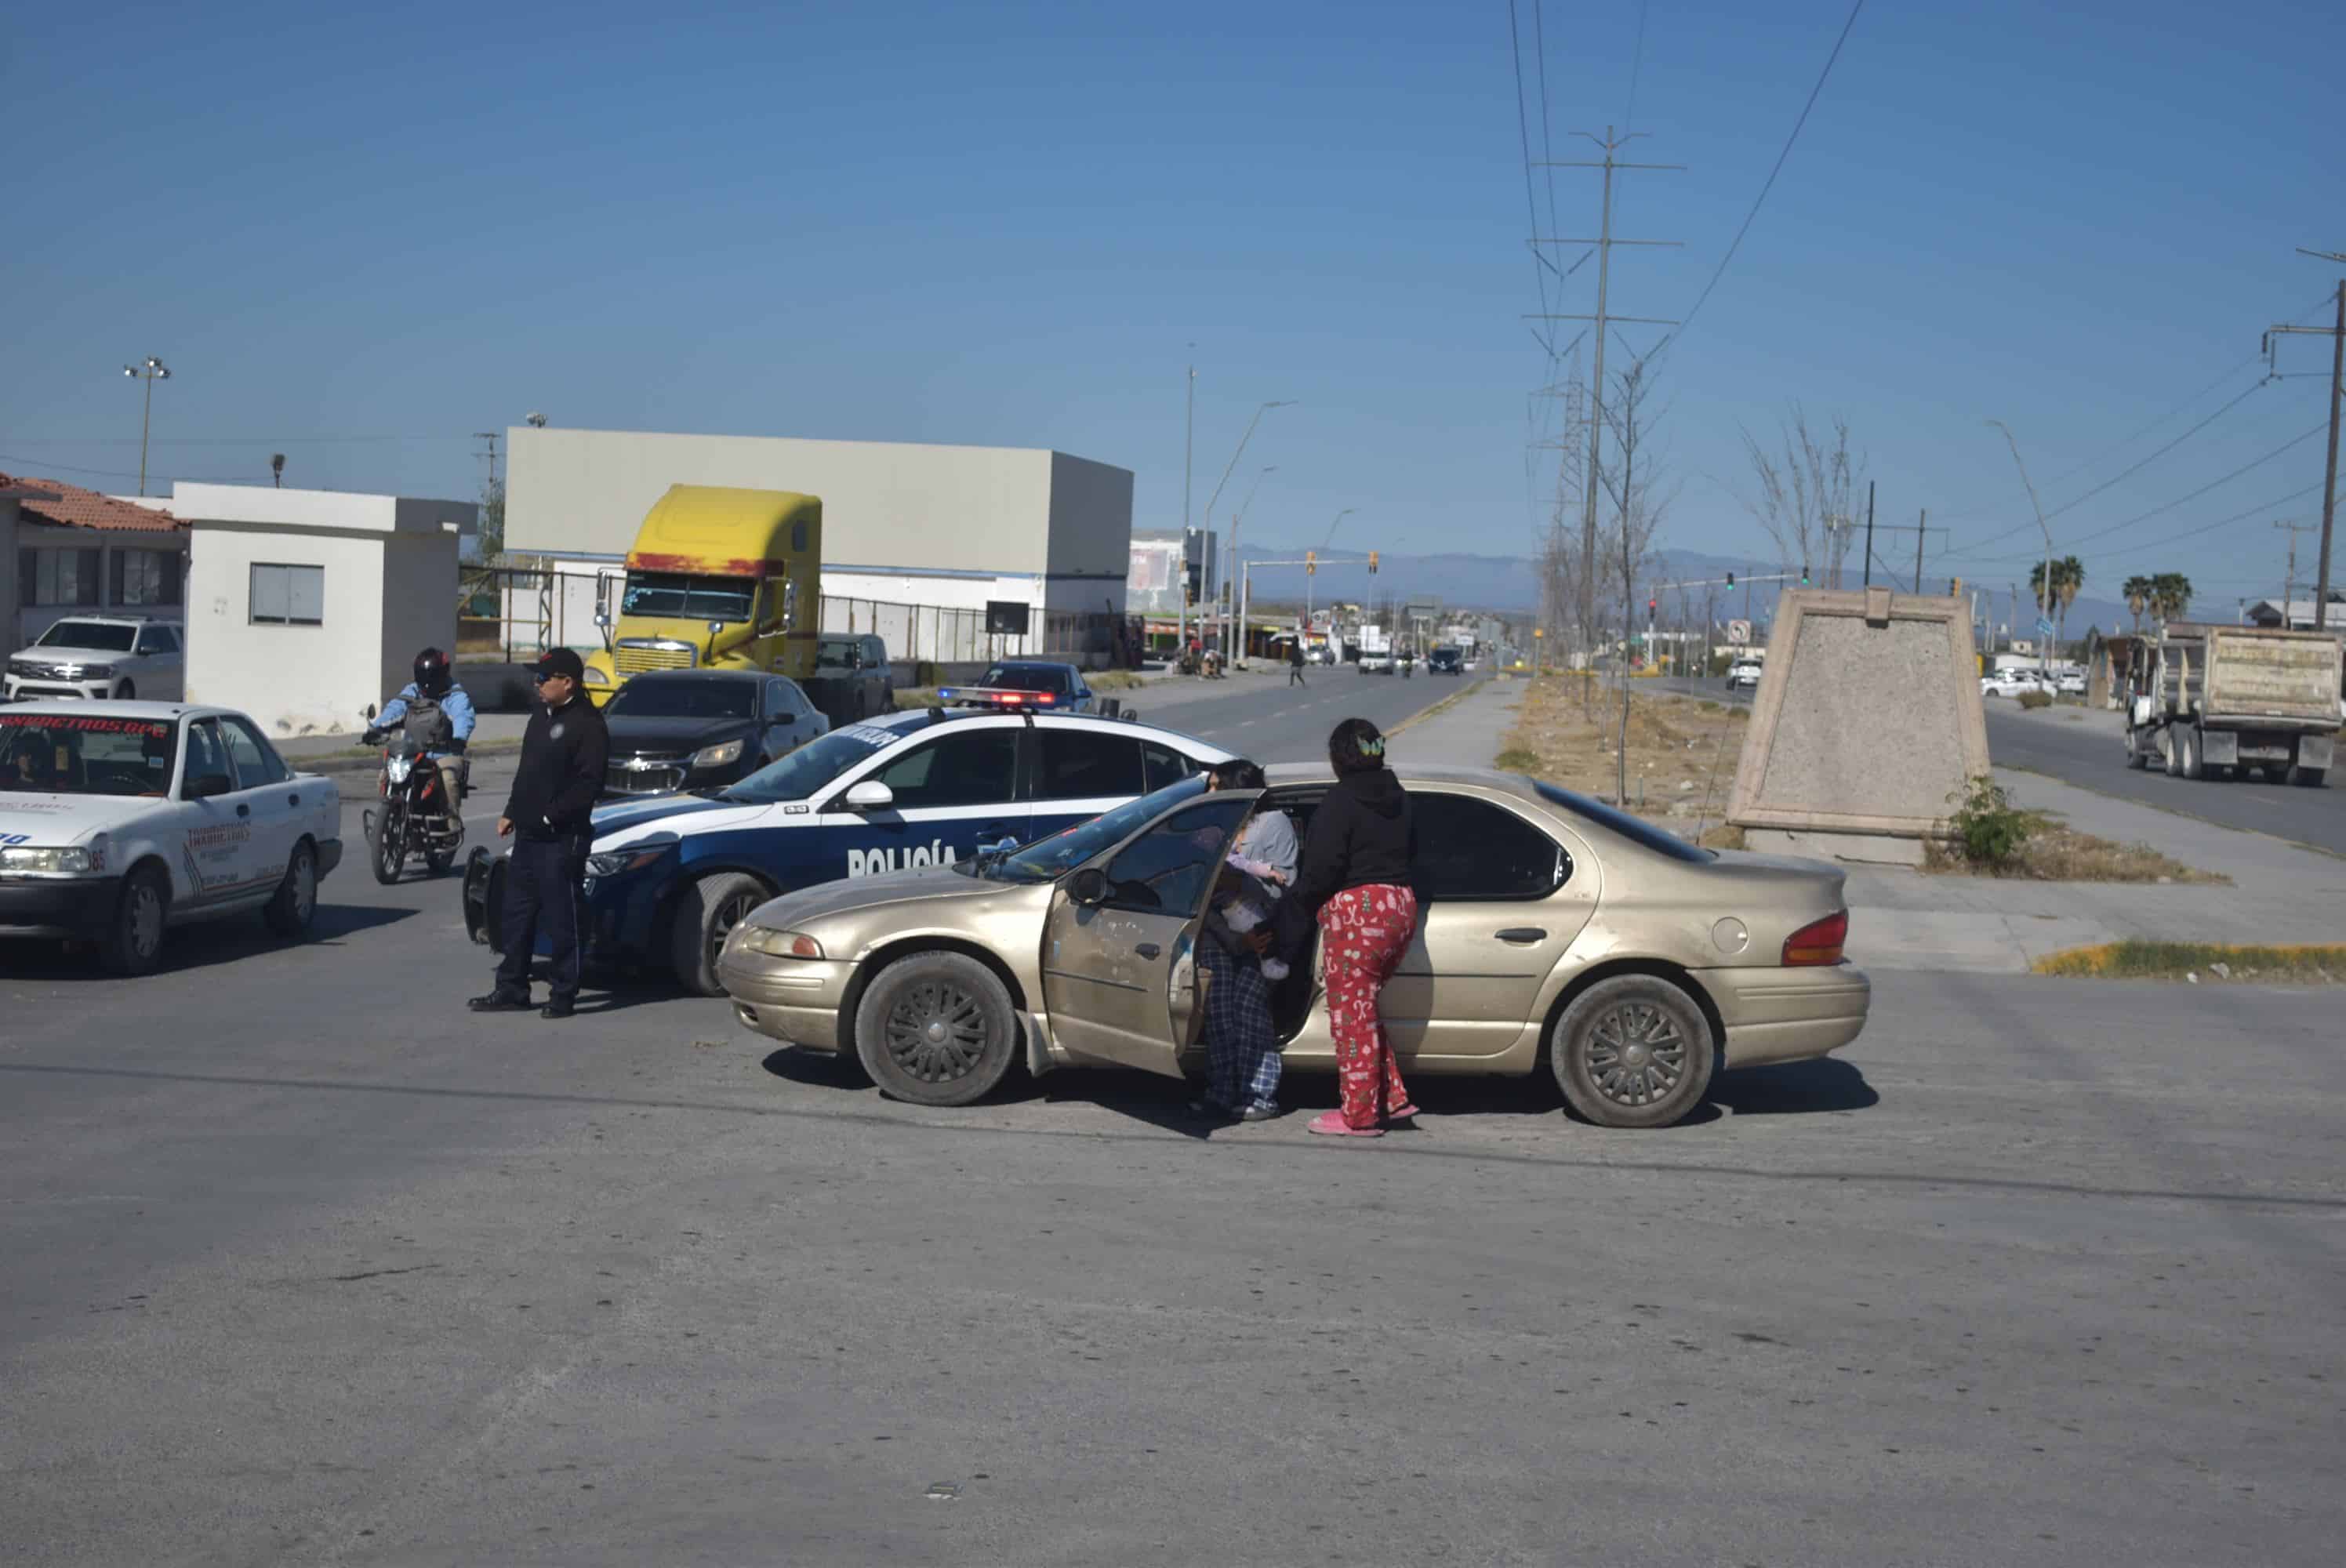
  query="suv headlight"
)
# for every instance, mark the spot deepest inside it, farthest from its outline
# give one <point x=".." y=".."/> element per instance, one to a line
<point x="635" y="857"/>
<point x="718" y="756"/>
<point x="778" y="944"/>
<point x="71" y="863"/>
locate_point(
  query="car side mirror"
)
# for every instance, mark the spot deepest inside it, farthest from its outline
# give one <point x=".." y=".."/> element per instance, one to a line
<point x="1088" y="887"/>
<point x="870" y="795"/>
<point x="204" y="786"/>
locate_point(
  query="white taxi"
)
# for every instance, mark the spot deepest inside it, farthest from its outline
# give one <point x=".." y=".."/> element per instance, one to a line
<point x="119" y="819"/>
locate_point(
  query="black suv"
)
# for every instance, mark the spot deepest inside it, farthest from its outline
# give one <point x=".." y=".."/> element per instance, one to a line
<point x="1445" y="661"/>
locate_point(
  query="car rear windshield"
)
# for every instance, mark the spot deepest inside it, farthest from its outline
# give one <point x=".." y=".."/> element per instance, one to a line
<point x="654" y="697"/>
<point x="812" y="766"/>
<point x="86" y="754"/>
<point x="1025" y="677"/>
<point x="101" y="635"/>
<point x="1635" y="829"/>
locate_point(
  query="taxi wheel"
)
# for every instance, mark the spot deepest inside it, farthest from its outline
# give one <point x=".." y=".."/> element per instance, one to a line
<point x="1634" y="1051"/>
<point x="288" y="914"/>
<point x="706" y="915"/>
<point x="132" y="943"/>
<point x="936" y="1029"/>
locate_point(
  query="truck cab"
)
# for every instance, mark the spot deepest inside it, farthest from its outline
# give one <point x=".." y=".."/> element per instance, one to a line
<point x="719" y="578"/>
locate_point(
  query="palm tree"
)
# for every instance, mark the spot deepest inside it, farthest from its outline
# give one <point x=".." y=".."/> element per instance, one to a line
<point x="2068" y="577"/>
<point x="2138" y="591"/>
<point x="2170" y="595"/>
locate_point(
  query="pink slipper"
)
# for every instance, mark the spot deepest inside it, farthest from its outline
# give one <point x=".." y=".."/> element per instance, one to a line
<point x="1331" y="1124"/>
<point x="1400" y="1112"/>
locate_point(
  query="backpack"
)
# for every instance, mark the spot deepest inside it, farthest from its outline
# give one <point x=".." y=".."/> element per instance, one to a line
<point x="428" y="724"/>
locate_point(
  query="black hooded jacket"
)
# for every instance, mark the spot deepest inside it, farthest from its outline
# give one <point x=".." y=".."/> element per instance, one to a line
<point x="1360" y="834"/>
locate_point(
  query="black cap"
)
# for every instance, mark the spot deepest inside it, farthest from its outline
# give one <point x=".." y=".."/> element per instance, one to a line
<point x="559" y="661"/>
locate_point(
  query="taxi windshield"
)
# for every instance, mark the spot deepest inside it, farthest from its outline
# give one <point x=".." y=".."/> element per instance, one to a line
<point x="812" y="766"/>
<point x="1044" y="858"/>
<point x="71" y="754"/>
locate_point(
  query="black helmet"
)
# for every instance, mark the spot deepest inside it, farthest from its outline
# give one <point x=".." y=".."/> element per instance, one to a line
<point x="432" y="674"/>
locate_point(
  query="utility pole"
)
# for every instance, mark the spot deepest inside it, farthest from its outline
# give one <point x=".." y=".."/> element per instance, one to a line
<point x="1922" y="525"/>
<point x="1259" y="411"/>
<point x="1604" y="242"/>
<point x="491" y="437"/>
<point x="2044" y="639"/>
<point x="2289" y="581"/>
<point x="1868" y="535"/>
<point x="1189" y="466"/>
<point x="2337" y="332"/>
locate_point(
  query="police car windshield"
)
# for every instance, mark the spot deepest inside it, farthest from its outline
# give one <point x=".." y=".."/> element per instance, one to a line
<point x="1044" y="858"/>
<point x="61" y="754"/>
<point x="812" y="766"/>
<point x="1025" y="677"/>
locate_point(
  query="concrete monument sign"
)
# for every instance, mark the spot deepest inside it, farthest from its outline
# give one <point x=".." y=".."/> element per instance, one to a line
<point x="1867" y="721"/>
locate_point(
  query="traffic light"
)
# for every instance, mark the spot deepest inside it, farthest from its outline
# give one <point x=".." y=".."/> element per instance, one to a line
<point x="1373" y="563"/>
<point x="1195" y="576"/>
<point x="1804" y="573"/>
<point x="1311" y="563"/>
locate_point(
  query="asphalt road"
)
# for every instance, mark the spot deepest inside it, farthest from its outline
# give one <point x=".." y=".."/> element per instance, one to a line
<point x="2083" y="748"/>
<point x="305" y="1264"/>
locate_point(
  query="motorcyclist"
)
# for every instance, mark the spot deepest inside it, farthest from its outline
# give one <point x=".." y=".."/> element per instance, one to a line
<point x="434" y="712"/>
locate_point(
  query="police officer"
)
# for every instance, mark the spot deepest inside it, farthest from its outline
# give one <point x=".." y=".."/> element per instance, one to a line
<point x="549" y="818"/>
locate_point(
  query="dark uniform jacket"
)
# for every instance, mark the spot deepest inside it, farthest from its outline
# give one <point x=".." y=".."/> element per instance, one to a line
<point x="561" y="772"/>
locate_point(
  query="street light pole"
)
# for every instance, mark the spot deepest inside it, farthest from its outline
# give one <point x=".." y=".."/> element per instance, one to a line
<point x="1181" y="562"/>
<point x="1330" y="539"/>
<point x="1238" y="564"/>
<point x="2045" y="644"/>
<point x="150" y="370"/>
<point x="1233" y="463"/>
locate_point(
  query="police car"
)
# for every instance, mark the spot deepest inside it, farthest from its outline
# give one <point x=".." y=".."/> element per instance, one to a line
<point x="118" y="820"/>
<point x="669" y="878"/>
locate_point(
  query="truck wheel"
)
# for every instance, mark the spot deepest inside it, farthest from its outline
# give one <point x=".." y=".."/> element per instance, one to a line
<point x="706" y="915"/>
<point x="936" y="1029"/>
<point x="2308" y="778"/>
<point x="132" y="943"/>
<point x="2135" y="756"/>
<point x="1633" y="1052"/>
<point x="289" y="913"/>
<point x="2171" y="749"/>
<point x="2190" y="748"/>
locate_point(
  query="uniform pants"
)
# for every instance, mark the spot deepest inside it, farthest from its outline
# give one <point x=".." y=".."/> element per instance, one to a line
<point x="544" y="883"/>
<point x="1241" y="1041"/>
<point x="1362" y="933"/>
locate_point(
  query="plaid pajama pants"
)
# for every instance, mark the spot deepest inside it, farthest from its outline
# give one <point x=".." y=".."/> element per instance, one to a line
<point x="1362" y="932"/>
<point x="1241" y="1044"/>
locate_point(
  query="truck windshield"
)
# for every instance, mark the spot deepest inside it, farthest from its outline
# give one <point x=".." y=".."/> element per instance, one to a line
<point x="812" y="766"/>
<point x="691" y="597"/>
<point x="72" y="754"/>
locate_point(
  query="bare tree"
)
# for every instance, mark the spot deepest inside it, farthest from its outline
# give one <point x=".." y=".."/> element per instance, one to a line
<point x="1804" y="495"/>
<point x="1632" y="485"/>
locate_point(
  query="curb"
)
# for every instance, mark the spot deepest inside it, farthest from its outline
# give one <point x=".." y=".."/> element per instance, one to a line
<point x="1423" y="714"/>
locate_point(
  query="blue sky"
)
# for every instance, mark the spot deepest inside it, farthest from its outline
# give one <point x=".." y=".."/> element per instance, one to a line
<point x="1006" y="224"/>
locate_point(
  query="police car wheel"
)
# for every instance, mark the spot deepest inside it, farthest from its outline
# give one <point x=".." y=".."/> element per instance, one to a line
<point x="132" y="943"/>
<point x="706" y="915"/>
<point x="936" y="1029"/>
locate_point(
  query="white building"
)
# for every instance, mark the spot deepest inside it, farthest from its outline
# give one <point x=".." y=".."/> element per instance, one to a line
<point x="68" y="550"/>
<point x="305" y="606"/>
<point x="946" y="526"/>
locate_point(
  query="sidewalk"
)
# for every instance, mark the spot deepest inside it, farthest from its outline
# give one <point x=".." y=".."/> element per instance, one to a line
<point x="1905" y="920"/>
<point x="340" y="752"/>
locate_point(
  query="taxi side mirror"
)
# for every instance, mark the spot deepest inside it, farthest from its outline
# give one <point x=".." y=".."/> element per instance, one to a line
<point x="870" y="795"/>
<point x="204" y="786"/>
<point x="1088" y="887"/>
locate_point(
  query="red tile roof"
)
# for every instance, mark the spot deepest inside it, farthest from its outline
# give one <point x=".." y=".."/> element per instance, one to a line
<point x="71" y="506"/>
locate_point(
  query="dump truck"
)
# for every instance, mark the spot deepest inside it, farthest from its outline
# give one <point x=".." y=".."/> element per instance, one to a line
<point x="718" y="578"/>
<point x="2217" y="701"/>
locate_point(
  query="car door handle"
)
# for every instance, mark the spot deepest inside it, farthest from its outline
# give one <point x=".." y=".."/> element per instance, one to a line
<point x="1523" y="933"/>
<point x="1149" y="949"/>
<point x="244" y="811"/>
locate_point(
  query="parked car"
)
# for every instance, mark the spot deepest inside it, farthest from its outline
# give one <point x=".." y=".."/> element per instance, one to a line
<point x="2069" y="682"/>
<point x="1744" y="674"/>
<point x="1026" y="683"/>
<point x="668" y="878"/>
<point x="852" y="678"/>
<point x="1557" y="933"/>
<point x="1445" y="661"/>
<point x="696" y="730"/>
<point x="96" y="658"/>
<point x="119" y="821"/>
<point x="2009" y="683"/>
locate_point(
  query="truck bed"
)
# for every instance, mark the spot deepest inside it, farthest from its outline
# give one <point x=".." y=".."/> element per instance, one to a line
<point x="2257" y="674"/>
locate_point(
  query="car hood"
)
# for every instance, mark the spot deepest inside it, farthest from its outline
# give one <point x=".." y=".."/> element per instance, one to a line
<point x="617" y="824"/>
<point x="632" y="736"/>
<point x="854" y="896"/>
<point x="71" y="655"/>
<point x="58" y="819"/>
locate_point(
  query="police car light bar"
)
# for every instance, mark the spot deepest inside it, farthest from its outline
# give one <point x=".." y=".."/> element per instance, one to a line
<point x="998" y="696"/>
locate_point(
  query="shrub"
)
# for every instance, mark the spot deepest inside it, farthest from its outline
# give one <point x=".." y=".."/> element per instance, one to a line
<point x="2035" y="699"/>
<point x="1986" y="828"/>
<point x="1515" y="759"/>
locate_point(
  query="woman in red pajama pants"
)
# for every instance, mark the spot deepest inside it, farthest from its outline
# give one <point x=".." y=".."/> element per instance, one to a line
<point x="1355" y="873"/>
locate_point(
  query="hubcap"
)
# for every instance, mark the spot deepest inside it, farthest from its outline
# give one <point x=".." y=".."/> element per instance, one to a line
<point x="146" y="920"/>
<point x="936" y="1031"/>
<point x="1635" y="1055"/>
<point x="305" y="888"/>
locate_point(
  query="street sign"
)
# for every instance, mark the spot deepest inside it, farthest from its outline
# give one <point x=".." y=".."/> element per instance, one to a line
<point x="1738" y="632"/>
<point x="2043" y="627"/>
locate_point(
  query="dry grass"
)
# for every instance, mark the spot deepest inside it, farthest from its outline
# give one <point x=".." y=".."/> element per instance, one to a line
<point x="1679" y="748"/>
<point x="2202" y="963"/>
<point x="2056" y="852"/>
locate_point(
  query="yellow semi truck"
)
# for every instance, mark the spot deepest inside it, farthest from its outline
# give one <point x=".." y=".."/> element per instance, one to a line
<point x="718" y="579"/>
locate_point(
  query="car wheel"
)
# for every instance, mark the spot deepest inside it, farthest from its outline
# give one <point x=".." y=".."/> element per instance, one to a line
<point x="132" y="943"/>
<point x="288" y="914"/>
<point x="1634" y="1051"/>
<point x="705" y="916"/>
<point x="126" y="692"/>
<point x="936" y="1029"/>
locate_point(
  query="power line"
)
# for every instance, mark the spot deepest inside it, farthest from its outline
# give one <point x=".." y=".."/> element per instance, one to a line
<point x="2241" y="516"/>
<point x="217" y="440"/>
<point x="42" y="463"/>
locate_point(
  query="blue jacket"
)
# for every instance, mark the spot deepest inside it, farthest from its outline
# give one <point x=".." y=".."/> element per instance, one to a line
<point x="455" y="705"/>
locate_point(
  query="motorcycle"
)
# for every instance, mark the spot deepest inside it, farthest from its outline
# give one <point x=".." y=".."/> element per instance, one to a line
<point x="411" y="816"/>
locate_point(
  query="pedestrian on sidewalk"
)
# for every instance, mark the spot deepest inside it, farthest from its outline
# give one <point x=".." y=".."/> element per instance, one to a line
<point x="1295" y="663"/>
<point x="550" y="818"/>
<point x="1355" y="875"/>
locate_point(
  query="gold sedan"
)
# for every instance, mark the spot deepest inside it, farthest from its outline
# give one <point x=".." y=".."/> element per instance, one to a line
<point x="1556" y="932"/>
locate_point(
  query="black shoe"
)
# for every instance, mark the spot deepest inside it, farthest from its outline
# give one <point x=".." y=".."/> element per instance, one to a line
<point x="499" y="1001"/>
<point x="558" y="1007"/>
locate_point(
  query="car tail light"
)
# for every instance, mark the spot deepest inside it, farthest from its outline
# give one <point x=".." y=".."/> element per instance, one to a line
<point x="1819" y="942"/>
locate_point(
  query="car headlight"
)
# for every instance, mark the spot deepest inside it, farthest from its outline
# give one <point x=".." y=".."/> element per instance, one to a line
<point x="71" y="863"/>
<point x="596" y="677"/>
<point x="718" y="756"/>
<point x="778" y="944"/>
<point x="634" y="857"/>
